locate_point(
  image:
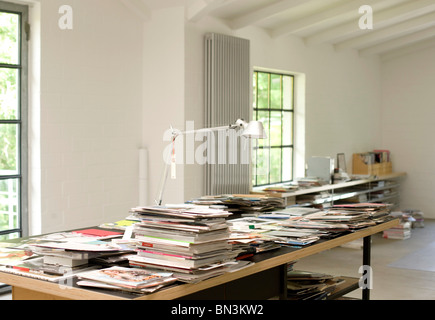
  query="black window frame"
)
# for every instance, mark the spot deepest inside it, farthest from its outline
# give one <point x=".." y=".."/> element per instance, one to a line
<point x="22" y="119"/>
<point x="282" y="146"/>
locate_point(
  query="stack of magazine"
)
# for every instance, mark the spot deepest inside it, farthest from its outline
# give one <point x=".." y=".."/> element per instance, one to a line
<point x="62" y="255"/>
<point x="126" y="279"/>
<point x="190" y="242"/>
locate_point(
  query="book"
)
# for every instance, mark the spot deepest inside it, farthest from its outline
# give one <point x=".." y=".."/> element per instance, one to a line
<point x="101" y="285"/>
<point x="183" y="270"/>
<point x="118" y="225"/>
<point x="132" y="278"/>
<point x="89" y="246"/>
<point x="177" y="254"/>
<point x="194" y="226"/>
<point x="35" y="268"/>
<point x="192" y="213"/>
<point x="64" y="261"/>
<point x="100" y="233"/>
<point x="63" y="253"/>
<point x="14" y="256"/>
<point x="181" y="236"/>
<point x="172" y="261"/>
<point x="183" y="247"/>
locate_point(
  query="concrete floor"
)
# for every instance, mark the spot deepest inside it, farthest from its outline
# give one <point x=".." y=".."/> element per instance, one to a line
<point x="389" y="283"/>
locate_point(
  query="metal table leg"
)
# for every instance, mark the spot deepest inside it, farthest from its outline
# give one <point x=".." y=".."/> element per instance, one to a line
<point x="366" y="267"/>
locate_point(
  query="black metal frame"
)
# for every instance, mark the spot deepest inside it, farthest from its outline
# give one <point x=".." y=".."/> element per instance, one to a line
<point x="21" y="121"/>
<point x="281" y="110"/>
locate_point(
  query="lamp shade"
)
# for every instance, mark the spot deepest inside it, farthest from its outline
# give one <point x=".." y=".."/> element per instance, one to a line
<point x="255" y="130"/>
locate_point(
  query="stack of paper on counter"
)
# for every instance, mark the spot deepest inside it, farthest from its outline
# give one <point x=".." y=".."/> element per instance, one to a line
<point x="355" y="215"/>
<point x="127" y="279"/>
<point x="12" y="256"/>
<point x="245" y="204"/>
<point x="192" y="242"/>
<point x="37" y="268"/>
<point x="67" y="253"/>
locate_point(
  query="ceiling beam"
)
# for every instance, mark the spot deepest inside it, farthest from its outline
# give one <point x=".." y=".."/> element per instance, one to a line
<point x="349" y="8"/>
<point x="375" y="36"/>
<point x="410" y="49"/>
<point x="200" y="8"/>
<point x="263" y="13"/>
<point x="399" y="42"/>
<point x="139" y="8"/>
<point x="383" y="19"/>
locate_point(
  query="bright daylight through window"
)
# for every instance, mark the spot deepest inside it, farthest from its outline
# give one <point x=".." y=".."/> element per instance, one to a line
<point x="274" y="106"/>
<point x="12" y="120"/>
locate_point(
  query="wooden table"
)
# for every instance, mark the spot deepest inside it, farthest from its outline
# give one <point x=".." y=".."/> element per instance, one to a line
<point x="266" y="278"/>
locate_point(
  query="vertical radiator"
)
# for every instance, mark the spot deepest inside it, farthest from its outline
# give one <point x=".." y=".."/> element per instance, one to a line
<point x="227" y="98"/>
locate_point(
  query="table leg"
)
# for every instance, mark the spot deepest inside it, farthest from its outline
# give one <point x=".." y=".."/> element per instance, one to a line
<point x="366" y="263"/>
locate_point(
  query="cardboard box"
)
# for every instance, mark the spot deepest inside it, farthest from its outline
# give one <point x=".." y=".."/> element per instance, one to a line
<point x="361" y="165"/>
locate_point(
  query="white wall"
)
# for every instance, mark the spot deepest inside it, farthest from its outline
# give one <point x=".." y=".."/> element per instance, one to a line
<point x="90" y="115"/>
<point x="115" y="84"/>
<point x="408" y="113"/>
<point x="163" y="98"/>
<point x="342" y="102"/>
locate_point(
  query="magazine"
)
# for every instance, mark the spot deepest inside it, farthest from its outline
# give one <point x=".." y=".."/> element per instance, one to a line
<point x="134" y="278"/>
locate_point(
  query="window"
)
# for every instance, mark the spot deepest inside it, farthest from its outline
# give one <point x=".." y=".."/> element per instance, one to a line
<point x="274" y="106"/>
<point x="13" y="121"/>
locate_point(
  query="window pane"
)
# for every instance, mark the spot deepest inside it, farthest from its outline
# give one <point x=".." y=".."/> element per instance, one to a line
<point x="263" y="90"/>
<point x="287" y="92"/>
<point x="275" y="92"/>
<point x="9" y="236"/>
<point x="275" y="165"/>
<point x="9" y="97"/>
<point x="275" y="128"/>
<point x="8" y="149"/>
<point x="254" y="90"/>
<point x="9" y="38"/>
<point x="263" y="116"/>
<point x="262" y="169"/>
<point x="287" y="161"/>
<point x="287" y="128"/>
<point x="9" y="208"/>
<point x="273" y="106"/>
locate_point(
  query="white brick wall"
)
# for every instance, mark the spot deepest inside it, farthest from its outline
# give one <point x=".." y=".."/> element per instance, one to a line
<point x="91" y="106"/>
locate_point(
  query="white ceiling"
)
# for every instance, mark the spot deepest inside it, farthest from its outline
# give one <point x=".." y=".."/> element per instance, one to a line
<point x="399" y="26"/>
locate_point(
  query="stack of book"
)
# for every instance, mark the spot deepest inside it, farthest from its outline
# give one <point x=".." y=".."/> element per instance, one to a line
<point x="402" y="231"/>
<point x="190" y="242"/>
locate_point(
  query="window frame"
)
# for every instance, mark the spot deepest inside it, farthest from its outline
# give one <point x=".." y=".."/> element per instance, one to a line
<point x="22" y="119"/>
<point x="281" y="110"/>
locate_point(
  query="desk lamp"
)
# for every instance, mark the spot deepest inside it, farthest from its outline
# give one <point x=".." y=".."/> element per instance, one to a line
<point x="251" y="130"/>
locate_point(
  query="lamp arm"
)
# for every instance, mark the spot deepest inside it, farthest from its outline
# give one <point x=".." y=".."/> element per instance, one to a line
<point x="240" y="123"/>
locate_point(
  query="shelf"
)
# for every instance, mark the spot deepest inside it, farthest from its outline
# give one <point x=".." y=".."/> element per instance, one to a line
<point x="362" y="186"/>
<point x="350" y="284"/>
<point x="329" y="187"/>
